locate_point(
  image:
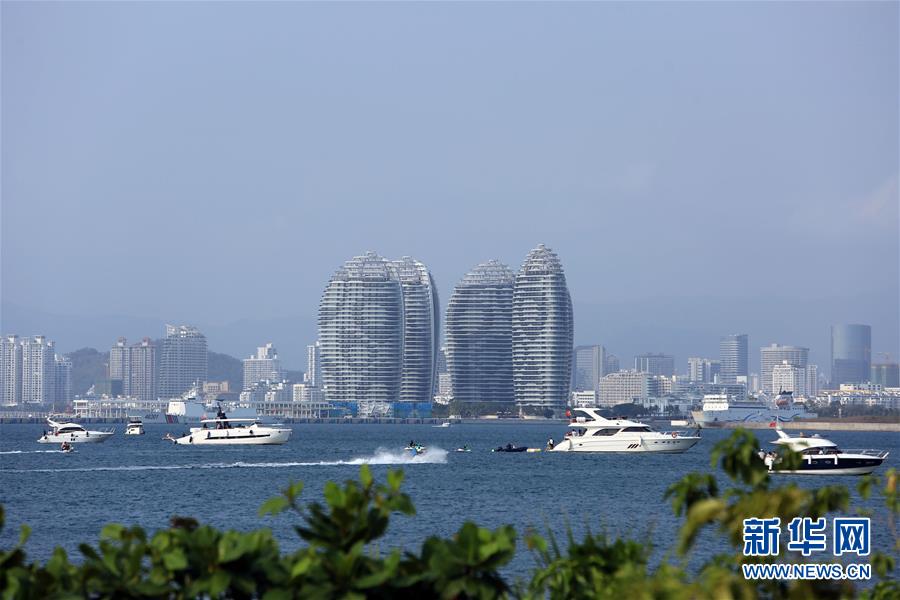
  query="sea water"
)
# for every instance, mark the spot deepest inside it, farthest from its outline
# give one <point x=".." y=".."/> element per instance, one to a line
<point x="145" y="480"/>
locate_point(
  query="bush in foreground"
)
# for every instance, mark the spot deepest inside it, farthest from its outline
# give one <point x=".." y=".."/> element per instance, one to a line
<point x="339" y="560"/>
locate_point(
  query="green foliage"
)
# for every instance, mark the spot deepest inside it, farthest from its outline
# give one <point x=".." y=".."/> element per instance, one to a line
<point x="341" y="557"/>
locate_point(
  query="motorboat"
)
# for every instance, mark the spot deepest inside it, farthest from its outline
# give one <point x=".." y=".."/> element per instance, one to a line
<point x="820" y="456"/>
<point x="135" y="426"/>
<point x="416" y="449"/>
<point x="72" y="433"/>
<point x="510" y="448"/>
<point x="224" y="431"/>
<point x="444" y="424"/>
<point x="590" y="432"/>
<point x="464" y="449"/>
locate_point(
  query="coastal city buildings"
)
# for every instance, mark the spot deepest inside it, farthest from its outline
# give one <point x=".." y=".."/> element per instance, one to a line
<point x="378" y="332"/>
<point x="479" y="336"/>
<point x="589" y="365"/>
<point x="776" y="354"/>
<point x="624" y="387"/>
<point x="38" y="370"/>
<point x="263" y="366"/>
<point x="183" y="361"/>
<point x="119" y="365"/>
<point x="704" y="370"/>
<point x="734" y="355"/>
<point x="851" y="354"/>
<point x="143" y="371"/>
<point x="313" y="374"/>
<point x="612" y="363"/>
<point x="62" y="386"/>
<point x="421" y="331"/>
<point x="655" y="364"/>
<point x="542" y="333"/>
<point x="886" y="375"/>
<point x="10" y="370"/>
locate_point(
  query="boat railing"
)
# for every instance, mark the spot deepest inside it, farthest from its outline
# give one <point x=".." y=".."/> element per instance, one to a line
<point x="866" y="452"/>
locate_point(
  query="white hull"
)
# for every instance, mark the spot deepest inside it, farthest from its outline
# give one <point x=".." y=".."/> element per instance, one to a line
<point x="253" y="436"/>
<point x="91" y="437"/>
<point x="664" y="445"/>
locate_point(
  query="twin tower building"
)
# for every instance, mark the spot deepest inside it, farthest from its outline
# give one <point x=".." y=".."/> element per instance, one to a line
<point x="508" y="336"/>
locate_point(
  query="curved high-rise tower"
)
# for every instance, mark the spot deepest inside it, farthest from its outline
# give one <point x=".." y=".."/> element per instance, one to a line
<point x="361" y="332"/>
<point x="478" y="340"/>
<point x="542" y="332"/>
<point x="378" y="324"/>
<point x="421" y="327"/>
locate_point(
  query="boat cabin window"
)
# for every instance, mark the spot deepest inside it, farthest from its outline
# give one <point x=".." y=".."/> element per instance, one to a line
<point x="70" y="429"/>
<point x="604" y="432"/>
<point x="821" y="451"/>
<point x="644" y="428"/>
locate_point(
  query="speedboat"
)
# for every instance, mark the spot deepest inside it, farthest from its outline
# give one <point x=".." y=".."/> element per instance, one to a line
<point x="510" y="448"/>
<point x="819" y="456"/>
<point x="444" y="424"/>
<point x="72" y="433"/>
<point x="223" y="431"/>
<point x="464" y="449"/>
<point x="590" y="432"/>
<point x="416" y="449"/>
<point x="135" y="426"/>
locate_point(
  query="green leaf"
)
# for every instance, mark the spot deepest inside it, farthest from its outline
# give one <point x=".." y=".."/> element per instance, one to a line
<point x="273" y="506"/>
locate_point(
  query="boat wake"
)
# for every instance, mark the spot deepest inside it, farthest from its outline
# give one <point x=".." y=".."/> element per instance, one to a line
<point x="382" y="456"/>
<point x="31" y="452"/>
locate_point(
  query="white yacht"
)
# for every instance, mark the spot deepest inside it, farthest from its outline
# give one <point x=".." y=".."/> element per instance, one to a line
<point x="72" y="433"/>
<point x="820" y="456"/>
<point x="135" y="426"/>
<point x="223" y="431"/>
<point x="589" y="432"/>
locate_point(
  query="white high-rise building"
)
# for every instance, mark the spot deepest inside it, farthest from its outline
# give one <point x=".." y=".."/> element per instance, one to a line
<point x="264" y="366"/>
<point x="184" y="360"/>
<point x="421" y="331"/>
<point x="788" y="378"/>
<point x="589" y="366"/>
<point x="624" y="387"/>
<point x="378" y="332"/>
<point x="313" y="375"/>
<point x="143" y="371"/>
<point x="542" y="333"/>
<point x="812" y="381"/>
<point x="38" y="370"/>
<point x="62" y="387"/>
<point x="10" y="370"/>
<point x="776" y="354"/>
<point x="119" y="365"/>
<point x="303" y="392"/>
<point x="734" y="354"/>
<point x="479" y="336"/>
<point x="703" y="370"/>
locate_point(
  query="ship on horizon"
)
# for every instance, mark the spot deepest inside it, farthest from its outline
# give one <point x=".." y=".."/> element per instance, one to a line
<point x="719" y="409"/>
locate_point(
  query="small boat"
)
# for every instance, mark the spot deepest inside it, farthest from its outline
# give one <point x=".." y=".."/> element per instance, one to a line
<point x="819" y="456"/>
<point x="72" y="433"/>
<point x="533" y="450"/>
<point x="444" y="424"/>
<point x="416" y="449"/>
<point x="590" y="432"/>
<point x="464" y="449"/>
<point x="510" y="448"/>
<point x="66" y="448"/>
<point x="135" y="426"/>
<point x="223" y="431"/>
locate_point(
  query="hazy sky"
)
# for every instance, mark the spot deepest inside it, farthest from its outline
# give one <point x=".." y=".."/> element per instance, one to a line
<point x="701" y="169"/>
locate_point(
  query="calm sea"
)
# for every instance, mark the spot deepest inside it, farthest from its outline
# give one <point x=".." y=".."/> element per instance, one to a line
<point x="144" y="480"/>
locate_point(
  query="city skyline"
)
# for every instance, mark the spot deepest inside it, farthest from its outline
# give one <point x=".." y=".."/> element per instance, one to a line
<point x="673" y="195"/>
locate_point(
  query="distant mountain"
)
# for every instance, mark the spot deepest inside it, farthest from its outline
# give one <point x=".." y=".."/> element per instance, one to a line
<point x="223" y="367"/>
<point x="88" y="367"/>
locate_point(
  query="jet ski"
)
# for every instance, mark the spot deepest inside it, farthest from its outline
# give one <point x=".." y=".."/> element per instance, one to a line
<point x="416" y="449"/>
<point x="510" y="448"/>
<point x="464" y="449"/>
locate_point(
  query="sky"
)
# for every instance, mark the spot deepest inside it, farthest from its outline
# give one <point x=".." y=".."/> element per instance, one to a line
<point x="700" y="168"/>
